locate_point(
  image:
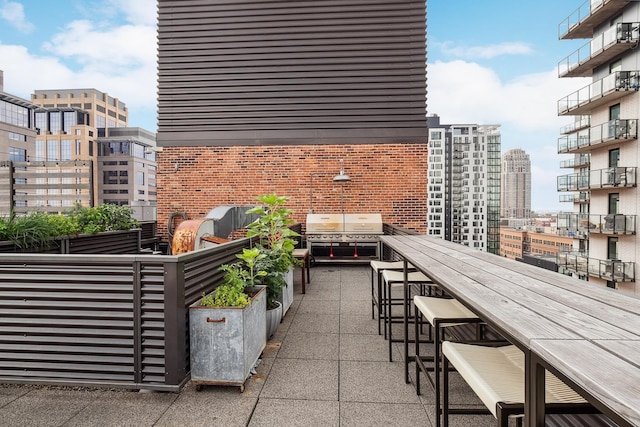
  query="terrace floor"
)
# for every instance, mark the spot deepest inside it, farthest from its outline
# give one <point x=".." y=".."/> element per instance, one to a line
<point x="325" y="366"/>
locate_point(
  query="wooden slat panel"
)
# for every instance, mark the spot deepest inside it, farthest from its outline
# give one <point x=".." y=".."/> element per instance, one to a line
<point x="284" y="67"/>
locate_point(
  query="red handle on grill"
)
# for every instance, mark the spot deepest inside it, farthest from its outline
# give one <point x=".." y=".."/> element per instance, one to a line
<point x="355" y="249"/>
<point x="330" y="249"/>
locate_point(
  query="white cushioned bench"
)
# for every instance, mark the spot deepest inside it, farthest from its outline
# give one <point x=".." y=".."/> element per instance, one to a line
<point x="496" y="375"/>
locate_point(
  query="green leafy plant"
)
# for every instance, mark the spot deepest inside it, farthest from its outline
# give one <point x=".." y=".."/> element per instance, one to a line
<point x="28" y="232"/>
<point x="35" y="231"/>
<point x="105" y="217"/>
<point x="275" y="240"/>
<point x="239" y="279"/>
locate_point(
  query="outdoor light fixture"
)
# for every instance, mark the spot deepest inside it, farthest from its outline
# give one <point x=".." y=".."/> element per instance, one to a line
<point x="342" y="177"/>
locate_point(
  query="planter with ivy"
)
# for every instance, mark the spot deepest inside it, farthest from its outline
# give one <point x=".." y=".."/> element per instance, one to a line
<point x="227" y="328"/>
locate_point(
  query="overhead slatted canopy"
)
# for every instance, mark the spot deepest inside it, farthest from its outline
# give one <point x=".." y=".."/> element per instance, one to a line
<point x="234" y="72"/>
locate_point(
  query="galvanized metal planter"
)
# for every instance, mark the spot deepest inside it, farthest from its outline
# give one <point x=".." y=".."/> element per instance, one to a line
<point x="226" y="342"/>
<point x="286" y="296"/>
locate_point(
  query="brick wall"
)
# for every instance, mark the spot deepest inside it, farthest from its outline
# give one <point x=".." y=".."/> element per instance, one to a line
<point x="386" y="178"/>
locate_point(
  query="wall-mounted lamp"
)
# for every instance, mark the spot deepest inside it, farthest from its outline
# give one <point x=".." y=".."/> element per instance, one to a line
<point x="341" y="177"/>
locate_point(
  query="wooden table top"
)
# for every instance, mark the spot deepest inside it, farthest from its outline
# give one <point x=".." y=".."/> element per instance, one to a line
<point x="531" y="306"/>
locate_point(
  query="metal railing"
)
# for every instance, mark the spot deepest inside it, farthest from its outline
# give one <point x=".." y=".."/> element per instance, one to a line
<point x="608" y="269"/>
<point x="620" y="81"/>
<point x="579" y="160"/>
<point x="581" y="122"/>
<point x="581" y="197"/>
<point x="620" y="176"/>
<point x="102" y="320"/>
<point x="605" y="132"/>
<point x="579" y="224"/>
<point x="614" y="129"/>
<point x="583" y="13"/>
<point x="619" y="33"/>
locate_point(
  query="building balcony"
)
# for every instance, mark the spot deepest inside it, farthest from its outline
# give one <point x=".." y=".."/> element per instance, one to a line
<point x="581" y="122"/>
<point x="604" y="91"/>
<point x="607" y="269"/>
<point x="578" y="161"/>
<point x="580" y="225"/>
<point x="581" y="197"/>
<point x="600" y="50"/>
<point x="611" y="132"/>
<point x="601" y="178"/>
<point x="581" y="23"/>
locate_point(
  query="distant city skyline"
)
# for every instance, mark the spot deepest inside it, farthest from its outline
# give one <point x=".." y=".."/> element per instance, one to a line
<point x="506" y="76"/>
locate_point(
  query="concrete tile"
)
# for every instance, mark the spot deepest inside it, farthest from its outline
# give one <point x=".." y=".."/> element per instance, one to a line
<point x="324" y="291"/>
<point x="356" y="292"/>
<point x="381" y="382"/>
<point x="302" y="379"/>
<point x="119" y="408"/>
<point x="315" y="323"/>
<point x="319" y="306"/>
<point x="356" y="414"/>
<point x="47" y="406"/>
<point x="273" y="346"/>
<point x="366" y="348"/>
<point x="11" y="392"/>
<point x="363" y="325"/>
<point x="213" y="406"/>
<point x="295" y="413"/>
<point x="310" y="346"/>
<point x="355" y="307"/>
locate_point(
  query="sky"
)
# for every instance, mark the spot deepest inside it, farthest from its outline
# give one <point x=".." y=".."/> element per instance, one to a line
<point x="488" y="62"/>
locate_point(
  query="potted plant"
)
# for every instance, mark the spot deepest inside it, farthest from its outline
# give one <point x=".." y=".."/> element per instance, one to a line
<point x="227" y="328"/>
<point x="276" y="241"/>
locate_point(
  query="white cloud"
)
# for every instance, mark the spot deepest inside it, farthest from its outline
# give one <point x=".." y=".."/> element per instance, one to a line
<point x="111" y="56"/>
<point x="13" y="13"/>
<point x="526" y="109"/>
<point x="469" y="93"/>
<point x="484" y="52"/>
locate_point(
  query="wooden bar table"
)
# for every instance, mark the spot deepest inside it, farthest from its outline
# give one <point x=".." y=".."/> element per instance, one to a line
<point x="535" y="308"/>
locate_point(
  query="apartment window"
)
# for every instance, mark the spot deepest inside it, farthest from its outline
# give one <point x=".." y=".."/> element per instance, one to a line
<point x="615" y="66"/>
<point x="614" y="112"/>
<point x="614" y="158"/>
<point x="17" y="154"/>
<point x="614" y="203"/>
<point x="52" y="149"/>
<point x="65" y="149"/>
<point x="140" y="178"/>
<point x="612" y="248"/>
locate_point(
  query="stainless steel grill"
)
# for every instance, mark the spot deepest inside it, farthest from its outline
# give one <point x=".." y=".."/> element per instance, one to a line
<point x="344" y="237"/>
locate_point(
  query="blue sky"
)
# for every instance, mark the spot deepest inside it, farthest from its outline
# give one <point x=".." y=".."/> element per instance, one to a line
<point x="489" y="62"/>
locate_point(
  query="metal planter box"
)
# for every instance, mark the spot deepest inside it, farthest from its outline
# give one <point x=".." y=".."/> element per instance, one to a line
<point x="226" y="342"/>
<point x="286" y="296"/>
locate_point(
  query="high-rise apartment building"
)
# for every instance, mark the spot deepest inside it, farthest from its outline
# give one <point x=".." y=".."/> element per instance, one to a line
<point x="464" y="184"/>
<point x="603" y="141"/>
<point x="515" y="189"/>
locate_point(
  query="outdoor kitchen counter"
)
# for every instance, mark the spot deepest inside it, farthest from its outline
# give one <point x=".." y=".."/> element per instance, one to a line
<point x="547" y="315"/>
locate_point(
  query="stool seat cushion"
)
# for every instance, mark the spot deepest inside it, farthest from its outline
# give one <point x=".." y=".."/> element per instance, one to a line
<point x="496" y="374"/>
<point x="388" y="265"/>
<point x="442" y="308"/>
<point x="393" y="277"/>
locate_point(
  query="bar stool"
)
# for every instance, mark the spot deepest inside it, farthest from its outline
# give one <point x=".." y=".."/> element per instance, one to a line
<point x="441" y="313"/>
<point x="393" y="279"/>
<point x="377" y="267"/>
